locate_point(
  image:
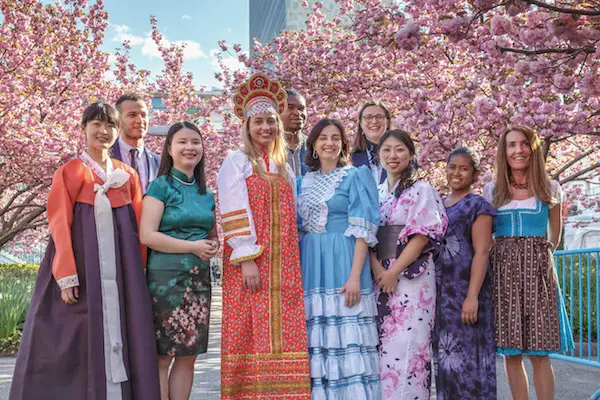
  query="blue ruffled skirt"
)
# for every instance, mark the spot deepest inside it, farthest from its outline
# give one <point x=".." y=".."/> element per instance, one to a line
<point x="342" y="341"/>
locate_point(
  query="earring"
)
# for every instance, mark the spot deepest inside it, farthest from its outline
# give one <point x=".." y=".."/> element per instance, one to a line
<point x="315" y="155"/>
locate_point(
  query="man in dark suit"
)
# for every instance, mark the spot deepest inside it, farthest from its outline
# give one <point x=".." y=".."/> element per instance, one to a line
<point x="129" y="147"/>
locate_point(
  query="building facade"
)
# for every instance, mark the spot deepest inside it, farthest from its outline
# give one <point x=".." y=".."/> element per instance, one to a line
<point x="269" y="17"/>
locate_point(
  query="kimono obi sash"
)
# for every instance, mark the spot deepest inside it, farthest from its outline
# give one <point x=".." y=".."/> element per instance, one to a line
<point x="387" y="236"/>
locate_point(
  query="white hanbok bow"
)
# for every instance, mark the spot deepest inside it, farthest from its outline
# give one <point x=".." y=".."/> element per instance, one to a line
<point x="113" y="341"/>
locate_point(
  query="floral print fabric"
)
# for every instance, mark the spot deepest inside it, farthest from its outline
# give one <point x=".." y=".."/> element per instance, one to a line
<point x="406" y="318"/>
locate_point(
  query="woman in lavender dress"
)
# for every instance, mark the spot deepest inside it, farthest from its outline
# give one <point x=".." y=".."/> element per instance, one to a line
<point x="463" y="340"/>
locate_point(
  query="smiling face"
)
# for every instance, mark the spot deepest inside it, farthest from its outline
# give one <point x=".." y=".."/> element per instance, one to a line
<point x="460" y="172"/>
<point x="329" y="144"/>
<point x="263" y="129"/>
<point x="294" y="116"/>
<point x="134" y="119"/>
<point x="100" y="135"/>
<point x="395" y="156"/>
<point x="186" y="149"/>
<point x="374" y="123"/>
<point x="518" y="151"/>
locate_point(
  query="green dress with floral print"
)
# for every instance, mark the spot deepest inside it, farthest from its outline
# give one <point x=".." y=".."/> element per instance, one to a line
<point x="179" y="284"/>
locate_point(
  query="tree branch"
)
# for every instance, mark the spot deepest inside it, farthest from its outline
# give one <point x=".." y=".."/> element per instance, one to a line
<point x="571" y="163"/>
<point x="572" y="11"/>
<point x="567" y="50"/>
<point x="582" y="172"/>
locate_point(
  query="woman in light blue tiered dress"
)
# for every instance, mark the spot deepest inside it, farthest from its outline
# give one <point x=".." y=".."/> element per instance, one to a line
<point x="338" y="218"/>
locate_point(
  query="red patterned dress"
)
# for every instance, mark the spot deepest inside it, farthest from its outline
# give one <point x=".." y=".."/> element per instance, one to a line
<point x="264" y="346"/>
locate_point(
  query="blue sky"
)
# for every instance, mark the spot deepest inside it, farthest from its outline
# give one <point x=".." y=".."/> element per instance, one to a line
<point x="201" y="23"/>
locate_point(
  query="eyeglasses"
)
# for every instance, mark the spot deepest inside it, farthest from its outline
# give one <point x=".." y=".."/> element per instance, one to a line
<point x="369" y="118"/>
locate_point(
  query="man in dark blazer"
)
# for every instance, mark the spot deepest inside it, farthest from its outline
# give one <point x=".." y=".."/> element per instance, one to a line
<point x="129" y="147"/>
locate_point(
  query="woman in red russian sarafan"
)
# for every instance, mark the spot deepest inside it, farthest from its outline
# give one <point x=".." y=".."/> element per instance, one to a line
<point x="264" y="346"/>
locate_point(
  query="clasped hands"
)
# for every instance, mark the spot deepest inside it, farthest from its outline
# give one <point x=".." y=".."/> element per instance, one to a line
<point x="205" y="249"/>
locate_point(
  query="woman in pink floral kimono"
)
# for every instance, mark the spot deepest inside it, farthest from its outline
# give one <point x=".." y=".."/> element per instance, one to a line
<point x="413" y="223"/>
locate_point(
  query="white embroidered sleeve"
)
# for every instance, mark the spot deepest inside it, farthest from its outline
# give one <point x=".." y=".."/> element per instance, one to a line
<point x="236" y="216"/>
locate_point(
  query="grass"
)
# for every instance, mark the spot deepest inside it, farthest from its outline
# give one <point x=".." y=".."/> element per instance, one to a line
<point x="16" y="285"/>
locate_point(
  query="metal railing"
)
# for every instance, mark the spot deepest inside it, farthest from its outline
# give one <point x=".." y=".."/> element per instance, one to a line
<point x="579" y="277"/>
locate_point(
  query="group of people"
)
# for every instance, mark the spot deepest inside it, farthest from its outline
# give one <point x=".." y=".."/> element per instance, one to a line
<point x="345" y="274"/>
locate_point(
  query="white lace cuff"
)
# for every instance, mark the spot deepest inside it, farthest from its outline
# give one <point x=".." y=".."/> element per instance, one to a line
<point x="68" y="281"/>
<point x="360" y="228"/>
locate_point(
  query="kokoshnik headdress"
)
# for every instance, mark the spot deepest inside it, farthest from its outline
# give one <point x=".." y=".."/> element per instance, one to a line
<point x="259" y="95"/>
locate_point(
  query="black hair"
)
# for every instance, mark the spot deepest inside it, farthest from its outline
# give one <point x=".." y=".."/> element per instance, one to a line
<point x="469" y="152"/>
<point x="472" y="154"/>
<point x="295" y="93"/>
<point x="128" y="97"/>
<point x="166" y="161"/>
<point x="100" y="111"/>
<point x="315" y="163"/>
<point x="409" y="175"/>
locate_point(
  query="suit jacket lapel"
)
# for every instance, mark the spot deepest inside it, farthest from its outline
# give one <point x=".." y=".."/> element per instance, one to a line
<point x="152" y="169"/>
<point x="116" y="151"/>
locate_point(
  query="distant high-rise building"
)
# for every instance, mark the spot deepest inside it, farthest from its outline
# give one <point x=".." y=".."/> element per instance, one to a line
<point x="269" y="17"/>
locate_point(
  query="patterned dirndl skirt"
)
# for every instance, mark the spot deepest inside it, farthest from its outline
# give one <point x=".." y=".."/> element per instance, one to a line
<point x="530" y="313"/>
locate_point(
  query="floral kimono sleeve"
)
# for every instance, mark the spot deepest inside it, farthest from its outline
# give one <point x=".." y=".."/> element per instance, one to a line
<point x="426" y="216"/>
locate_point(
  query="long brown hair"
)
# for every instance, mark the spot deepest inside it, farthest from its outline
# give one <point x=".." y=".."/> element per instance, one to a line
<point x="539" y="183"/>
<point x="277" y="150"/>
<point x="315" y="163"/>
<point x="360" y="140"/>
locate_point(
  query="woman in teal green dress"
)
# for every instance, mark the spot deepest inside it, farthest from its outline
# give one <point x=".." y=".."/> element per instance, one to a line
<point x="178" y="225"/>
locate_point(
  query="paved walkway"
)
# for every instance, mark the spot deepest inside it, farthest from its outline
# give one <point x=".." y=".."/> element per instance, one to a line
<point x="573" y="381"/>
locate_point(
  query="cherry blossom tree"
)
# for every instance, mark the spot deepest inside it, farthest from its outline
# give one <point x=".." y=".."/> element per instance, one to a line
<point x="51" y="67"/>
<point x="453" y="72"/>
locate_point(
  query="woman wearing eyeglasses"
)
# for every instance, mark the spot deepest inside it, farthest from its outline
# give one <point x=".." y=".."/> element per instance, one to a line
<point x="374" y="119"/>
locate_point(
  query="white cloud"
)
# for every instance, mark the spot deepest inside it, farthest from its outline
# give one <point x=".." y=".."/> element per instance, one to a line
<point x="186" y="17"/>
<point x="228" y="29"/>
<point x="230" y="62"/>
<point x="122" y="34"/>
<point x="192" y="50"/>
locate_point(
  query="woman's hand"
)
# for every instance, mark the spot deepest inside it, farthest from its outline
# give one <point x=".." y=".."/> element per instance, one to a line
<point x="387" y="281"/>
<point x="207" y="255"/>
<point x="469" y="310"/>
<point x="70" y="295"/>
<point x="250" y="275"/>
<point x="352" y="290"/>
<point x="203" y="248"/>
<point x="377" y="269"/>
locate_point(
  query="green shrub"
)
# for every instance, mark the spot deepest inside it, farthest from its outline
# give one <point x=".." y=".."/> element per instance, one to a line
<point x="16" y="285"/>
<point x="581" y="266"/>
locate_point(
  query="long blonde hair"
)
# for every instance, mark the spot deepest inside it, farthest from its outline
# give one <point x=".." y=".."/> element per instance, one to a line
<point x="539" y="183"/>
<point x="277" y="150"/>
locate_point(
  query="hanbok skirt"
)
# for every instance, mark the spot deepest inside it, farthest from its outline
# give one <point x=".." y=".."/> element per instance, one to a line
<point x="62" y="348"/>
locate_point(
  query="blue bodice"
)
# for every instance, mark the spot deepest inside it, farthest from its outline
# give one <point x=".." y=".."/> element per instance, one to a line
<point x="523" y="221"/>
